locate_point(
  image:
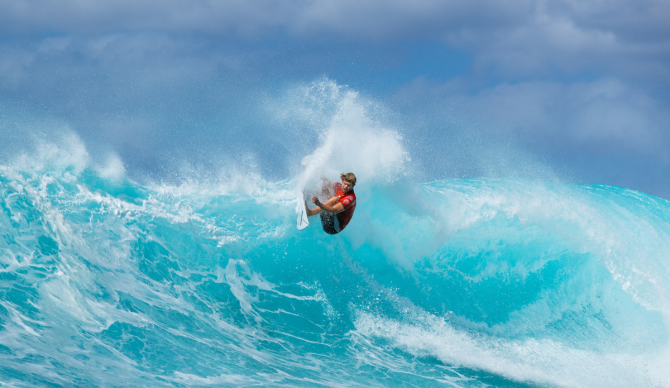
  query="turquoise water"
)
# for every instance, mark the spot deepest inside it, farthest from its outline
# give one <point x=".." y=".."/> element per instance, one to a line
<point x="456" y="283"/>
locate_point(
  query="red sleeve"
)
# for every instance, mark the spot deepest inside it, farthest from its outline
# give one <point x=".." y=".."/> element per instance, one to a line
<point x="346" y="200"/>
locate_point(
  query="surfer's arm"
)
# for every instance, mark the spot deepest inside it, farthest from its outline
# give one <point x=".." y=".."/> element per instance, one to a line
<point x="332" y="206"/>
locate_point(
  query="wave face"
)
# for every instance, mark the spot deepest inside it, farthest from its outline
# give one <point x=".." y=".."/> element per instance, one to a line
<point x="458" y="283"/>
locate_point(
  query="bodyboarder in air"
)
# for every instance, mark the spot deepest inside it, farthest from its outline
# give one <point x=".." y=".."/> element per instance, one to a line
<point x="338" y="210"/>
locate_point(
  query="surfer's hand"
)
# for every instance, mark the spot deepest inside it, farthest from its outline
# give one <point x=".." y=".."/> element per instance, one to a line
<point x="315" y="201"/>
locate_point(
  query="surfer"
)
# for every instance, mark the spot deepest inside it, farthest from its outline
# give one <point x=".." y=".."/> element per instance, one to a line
<point x="338" y="210"/>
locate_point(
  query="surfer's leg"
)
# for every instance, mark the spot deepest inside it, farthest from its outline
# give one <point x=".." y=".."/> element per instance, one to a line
<point x="331" y="202"/>
<point x="312" y="212"/>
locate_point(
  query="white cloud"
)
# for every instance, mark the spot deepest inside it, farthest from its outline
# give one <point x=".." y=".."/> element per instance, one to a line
<point x="604" y="131"/>
<point x="598" y="114"/>
<point x="115" y="60"/>
<point x="541" y="46"/>
<point x="513" y="38"/>
<point x="605" y="115"/>
<point x="12" y="67"/>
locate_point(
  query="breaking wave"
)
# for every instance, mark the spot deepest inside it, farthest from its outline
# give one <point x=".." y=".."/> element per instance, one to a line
<point x="461" y="283"/>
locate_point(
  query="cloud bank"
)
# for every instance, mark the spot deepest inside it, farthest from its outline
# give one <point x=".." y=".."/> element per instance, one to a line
<point x="580" y="86"/>
<point x="512" y="37"/>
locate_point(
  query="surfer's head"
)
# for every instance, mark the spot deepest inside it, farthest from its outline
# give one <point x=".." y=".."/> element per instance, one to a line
<point x="348" y="181"/>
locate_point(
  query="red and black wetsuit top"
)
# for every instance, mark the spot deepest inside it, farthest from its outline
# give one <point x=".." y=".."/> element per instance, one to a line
<point x="347" y="200"/>
<point x="333" y="224"/>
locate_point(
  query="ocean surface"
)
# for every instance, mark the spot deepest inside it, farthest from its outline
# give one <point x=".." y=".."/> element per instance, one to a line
<point x="454" y="283"/>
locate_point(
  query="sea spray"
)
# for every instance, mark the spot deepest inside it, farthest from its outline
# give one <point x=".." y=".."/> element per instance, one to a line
<point x="204" y="280"/>
<point x="484" y="281"/>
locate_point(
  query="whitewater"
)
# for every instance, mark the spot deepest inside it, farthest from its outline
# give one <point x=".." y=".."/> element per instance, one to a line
<point x="481" y="282"/>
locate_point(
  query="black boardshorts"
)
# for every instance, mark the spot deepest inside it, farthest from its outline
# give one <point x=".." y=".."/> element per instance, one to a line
<point x="330" y="223"/>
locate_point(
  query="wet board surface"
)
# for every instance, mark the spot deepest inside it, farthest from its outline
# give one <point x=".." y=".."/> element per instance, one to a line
<point x="302" y="221"/>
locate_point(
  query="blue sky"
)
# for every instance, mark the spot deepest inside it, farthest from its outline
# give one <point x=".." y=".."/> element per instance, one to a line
<point x="476" y="88"/>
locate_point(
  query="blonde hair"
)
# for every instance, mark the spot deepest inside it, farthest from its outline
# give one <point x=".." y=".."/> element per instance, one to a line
<point x="349" y="177"/>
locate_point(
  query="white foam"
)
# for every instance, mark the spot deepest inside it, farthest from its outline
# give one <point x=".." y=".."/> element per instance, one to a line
<point x="226" y="379"/>
<point x="238" y="285"/>
<point x="539" y="361"/>
<point x="66" y="150"/>
<point x="113" y="169"/>
<point x="630" y="240"/>
<point x="350" y="140"/>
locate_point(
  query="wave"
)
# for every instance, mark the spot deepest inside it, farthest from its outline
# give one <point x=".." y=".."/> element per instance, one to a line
<point x="474" y="282"/>
<point x="204" y="280"/>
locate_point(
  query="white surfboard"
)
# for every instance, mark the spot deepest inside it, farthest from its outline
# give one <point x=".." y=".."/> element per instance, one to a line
<point x="303" y="222"/>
